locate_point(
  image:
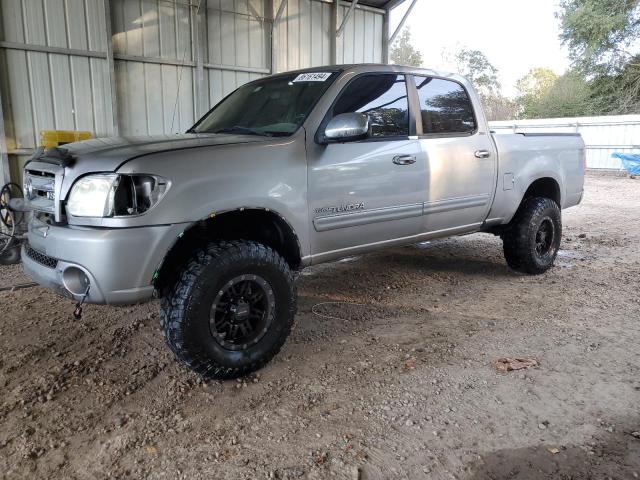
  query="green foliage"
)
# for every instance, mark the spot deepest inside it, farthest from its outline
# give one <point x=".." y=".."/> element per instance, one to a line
<point x="499" y="107"/>
<point x="474" y="65"/>
<point x="403" y="52"/>
<point x="600" y="33"/>
<point x="604" y="45"/>
<point x="618" y="93"/>
<point x="569" y="96"/>
<point x="532" y="88"/>
<point x="543" y="94"/>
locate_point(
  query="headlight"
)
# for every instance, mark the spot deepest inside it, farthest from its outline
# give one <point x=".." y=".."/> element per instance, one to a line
<point x="113" y="195"/>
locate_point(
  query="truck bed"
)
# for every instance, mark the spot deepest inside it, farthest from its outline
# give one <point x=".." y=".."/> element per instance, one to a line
<point x="525" y="157"/>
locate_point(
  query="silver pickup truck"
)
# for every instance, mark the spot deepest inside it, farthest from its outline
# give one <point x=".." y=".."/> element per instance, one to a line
<point x="288" y="171"/>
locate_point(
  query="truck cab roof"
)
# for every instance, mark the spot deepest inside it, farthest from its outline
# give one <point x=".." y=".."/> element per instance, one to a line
<point x="359" y="68"/>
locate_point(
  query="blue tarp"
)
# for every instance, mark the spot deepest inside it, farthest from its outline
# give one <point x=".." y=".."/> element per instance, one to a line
<point x="630" y="162"/>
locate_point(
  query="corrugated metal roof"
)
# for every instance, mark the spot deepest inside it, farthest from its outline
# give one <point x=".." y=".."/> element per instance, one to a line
<point x="376" y="3"/>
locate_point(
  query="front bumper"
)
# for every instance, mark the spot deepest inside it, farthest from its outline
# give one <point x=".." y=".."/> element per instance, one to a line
<point x="119" y="263"/>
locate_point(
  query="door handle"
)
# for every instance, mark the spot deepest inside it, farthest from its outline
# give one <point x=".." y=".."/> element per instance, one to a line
<point x="482" y="154"/>
<point x="404" y="159"/>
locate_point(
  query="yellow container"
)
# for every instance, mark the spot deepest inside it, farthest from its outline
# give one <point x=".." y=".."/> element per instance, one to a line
<point x="55" y="138"/>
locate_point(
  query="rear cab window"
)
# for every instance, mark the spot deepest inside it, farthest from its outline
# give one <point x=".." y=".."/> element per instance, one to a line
<point x="445" y="107"/>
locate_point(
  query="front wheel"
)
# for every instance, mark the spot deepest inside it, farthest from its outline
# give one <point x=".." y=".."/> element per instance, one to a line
<point x="532" y="238"/>
<point x="231" y="309"/>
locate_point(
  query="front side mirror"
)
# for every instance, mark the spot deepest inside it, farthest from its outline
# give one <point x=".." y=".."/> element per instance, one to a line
<point x="347" y="127"/>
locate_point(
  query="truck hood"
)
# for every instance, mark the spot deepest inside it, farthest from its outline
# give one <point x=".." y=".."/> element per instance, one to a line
<point x="108" y="154"/>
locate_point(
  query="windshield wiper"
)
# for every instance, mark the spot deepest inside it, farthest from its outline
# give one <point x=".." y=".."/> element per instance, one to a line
<point x="242" y="130"/>
<point x="277" y="133"/>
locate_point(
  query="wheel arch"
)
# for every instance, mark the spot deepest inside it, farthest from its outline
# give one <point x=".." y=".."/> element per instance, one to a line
<point x="262" y="225"/>
<point x="547" y="187"/>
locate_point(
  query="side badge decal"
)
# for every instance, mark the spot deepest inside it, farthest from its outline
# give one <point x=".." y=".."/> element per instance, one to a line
<point x="349" y="207"/>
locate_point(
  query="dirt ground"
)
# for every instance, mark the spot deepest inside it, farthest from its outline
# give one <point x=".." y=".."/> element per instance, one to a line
<point x="386" y="375"/>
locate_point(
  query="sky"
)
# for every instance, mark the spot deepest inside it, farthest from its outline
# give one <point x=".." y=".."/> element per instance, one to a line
<point x="515" y="35"/>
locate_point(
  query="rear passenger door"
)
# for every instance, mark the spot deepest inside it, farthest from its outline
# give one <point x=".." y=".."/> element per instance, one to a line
<point x="460" y="156"/>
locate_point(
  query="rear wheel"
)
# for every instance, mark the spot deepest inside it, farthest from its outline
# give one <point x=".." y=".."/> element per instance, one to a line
<point x="231" y="309"/>
<point x="532" y="239"/>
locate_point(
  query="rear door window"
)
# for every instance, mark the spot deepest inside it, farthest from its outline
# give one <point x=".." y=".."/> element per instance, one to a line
<point x="445" y="107"/>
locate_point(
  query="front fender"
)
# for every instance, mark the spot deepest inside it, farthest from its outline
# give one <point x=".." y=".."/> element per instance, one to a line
<point x="207" y="181"/>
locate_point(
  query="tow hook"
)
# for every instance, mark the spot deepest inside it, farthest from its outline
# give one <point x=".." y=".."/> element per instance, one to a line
<point x="77" y="313"/>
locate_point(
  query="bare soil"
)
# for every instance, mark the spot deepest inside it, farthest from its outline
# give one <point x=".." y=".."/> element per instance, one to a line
<point x="386" y="375"/>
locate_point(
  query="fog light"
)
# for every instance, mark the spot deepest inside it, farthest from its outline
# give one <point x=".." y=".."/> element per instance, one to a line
<point x="75" y="280"/>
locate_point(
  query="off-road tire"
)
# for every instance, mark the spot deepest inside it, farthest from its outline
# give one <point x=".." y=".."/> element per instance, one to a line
<point x="185" y="311"/>
<point x="519" y="238"/>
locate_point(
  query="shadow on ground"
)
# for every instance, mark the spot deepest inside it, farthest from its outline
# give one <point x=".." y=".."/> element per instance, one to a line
<point x="616" y="457"/>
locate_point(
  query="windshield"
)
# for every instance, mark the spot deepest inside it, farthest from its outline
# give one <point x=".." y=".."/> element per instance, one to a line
<point x="271" y="107"/>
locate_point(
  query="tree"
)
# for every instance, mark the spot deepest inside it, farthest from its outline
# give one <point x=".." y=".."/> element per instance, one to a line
<point x="403" y="52"/>
<point x="600" y="33"/>
<point x="603" y="37"/>
<point x="569" y="96"/>
<point x="543" y="94"/>
<point x="499" y="107"/>
<point x="475" y="65"/>
<point x="532" y="88"/>
<point x="620" y="93"/>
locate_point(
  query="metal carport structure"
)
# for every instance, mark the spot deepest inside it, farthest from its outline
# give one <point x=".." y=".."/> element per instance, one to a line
<point x="137" y="67"/>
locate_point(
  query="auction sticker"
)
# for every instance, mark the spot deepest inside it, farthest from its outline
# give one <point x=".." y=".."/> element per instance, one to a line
<point x="312" y="77"/>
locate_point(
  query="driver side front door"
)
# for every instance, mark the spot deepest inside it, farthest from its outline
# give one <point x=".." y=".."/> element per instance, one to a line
<point x="367" y="193"/>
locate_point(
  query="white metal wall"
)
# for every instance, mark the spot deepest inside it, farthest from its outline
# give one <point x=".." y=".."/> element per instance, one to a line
<point x="238" y="34"/>
<point x="45" y="90"/>
<point x="304" y="36"/>
<point x="602" y="135"/>
<point x="362" y="39"/>
<point x="166" y="64"/>
<point x="155" y="96"/>
<point x="149" y="101"/>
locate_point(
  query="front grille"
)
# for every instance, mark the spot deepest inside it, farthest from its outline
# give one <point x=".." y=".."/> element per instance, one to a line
<point x="40" y="190"/>
<point x="41" y="258"/>
<point x="41" y="187"/>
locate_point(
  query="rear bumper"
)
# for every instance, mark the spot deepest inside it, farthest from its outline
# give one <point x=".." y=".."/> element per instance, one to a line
<point x="118" y="263"/>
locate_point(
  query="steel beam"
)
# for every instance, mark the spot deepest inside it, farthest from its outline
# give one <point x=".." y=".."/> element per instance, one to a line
<point x="272" y="54"/>
<point x="360" y="6"/>
<point x="45" y="49"/>
<point x="111" y="68"/>
<point x="233" y="68"/>
<point x="346" y="18"/>
<point x="402" y="22"/>
<point x="333" y="39"/>
<point x="385" y="37"/>
<point x="5" y="173"/>
<point x="199" y="41"/>
<point x="274" y="25"/>
<point x="276" y="20"/>
<point x="254" y="13"/>
<point x="21" y="151"/>
<point x="187" y="63"/>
